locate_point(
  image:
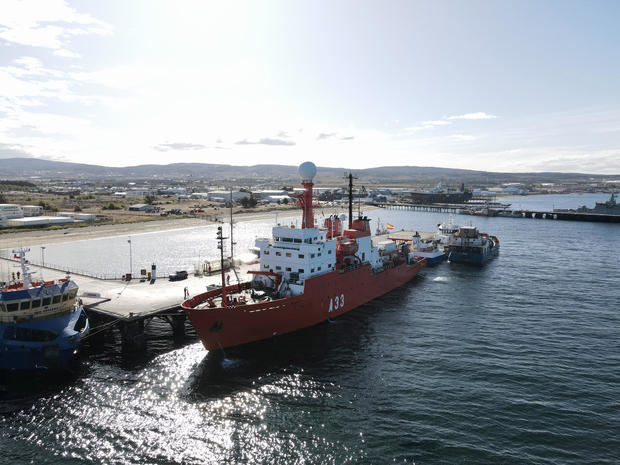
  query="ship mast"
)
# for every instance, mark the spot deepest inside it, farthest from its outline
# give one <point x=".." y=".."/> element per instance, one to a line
<point x="231" y="229"/>
<point x="351" y="178"/>
<point x="220" y="245"/>
<point x="26" y="274"/>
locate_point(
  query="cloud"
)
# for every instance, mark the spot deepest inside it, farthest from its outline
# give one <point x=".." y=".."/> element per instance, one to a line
<point x="462" y="137"/>
<point x="178" y="146"/>
<point x="265" y="141"/>
<point x="46" y="24"/>
<point x="477" y="115"/>
<point x="347" y="138"/>
<point x="66" y="53"/>
<point x="13" y="150"/>
<point x="325" y="135"/>
<point x="433" y="123"/>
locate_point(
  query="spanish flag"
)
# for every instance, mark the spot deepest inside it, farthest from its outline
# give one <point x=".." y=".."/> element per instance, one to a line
<point x="390" y="226"/>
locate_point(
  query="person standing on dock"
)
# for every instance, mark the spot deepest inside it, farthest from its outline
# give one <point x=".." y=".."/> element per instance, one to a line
<point x="185" y="293"/>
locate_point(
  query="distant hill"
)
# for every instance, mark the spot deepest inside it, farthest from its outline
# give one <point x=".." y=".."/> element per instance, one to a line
<point x="27" y="168"/>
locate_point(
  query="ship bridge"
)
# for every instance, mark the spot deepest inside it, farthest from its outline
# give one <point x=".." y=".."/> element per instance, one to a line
<point x="297" y="253"/>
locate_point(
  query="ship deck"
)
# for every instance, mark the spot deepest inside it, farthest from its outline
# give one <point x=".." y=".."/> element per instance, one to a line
<point x="403" y="235"/>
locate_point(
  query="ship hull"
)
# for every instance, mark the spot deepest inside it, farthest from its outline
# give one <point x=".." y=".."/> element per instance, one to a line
<point x="20" y="349"/>
<point x="325" y="296"/>
<point x="473" y="258"/>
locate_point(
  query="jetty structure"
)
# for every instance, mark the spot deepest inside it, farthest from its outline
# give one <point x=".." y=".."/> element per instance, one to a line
<point x="563" y="215"/>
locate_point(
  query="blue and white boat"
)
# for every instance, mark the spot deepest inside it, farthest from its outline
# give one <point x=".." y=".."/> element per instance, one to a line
<point x="470" y="246"/>
<point x="41" y="323"/>
<point x="427" y="249"/>
<point x="446" y="231"/>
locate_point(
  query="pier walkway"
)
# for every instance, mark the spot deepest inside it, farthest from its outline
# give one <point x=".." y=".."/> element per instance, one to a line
<point x="128" y="304"/>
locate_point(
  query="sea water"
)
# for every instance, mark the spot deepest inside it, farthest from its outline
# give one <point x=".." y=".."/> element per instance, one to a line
<point x="516" y="362"/>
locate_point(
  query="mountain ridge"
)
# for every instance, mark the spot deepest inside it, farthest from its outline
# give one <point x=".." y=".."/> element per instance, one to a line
<point x="28" y="168"/>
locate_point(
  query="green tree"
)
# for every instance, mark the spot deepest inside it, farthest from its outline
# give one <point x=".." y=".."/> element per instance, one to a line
<point x="77" y="208"/>
<point x="150" y="199"/>
<point x="249" y="202"/>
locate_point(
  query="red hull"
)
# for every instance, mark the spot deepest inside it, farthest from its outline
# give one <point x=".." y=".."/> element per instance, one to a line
<point x="325" y="296"/>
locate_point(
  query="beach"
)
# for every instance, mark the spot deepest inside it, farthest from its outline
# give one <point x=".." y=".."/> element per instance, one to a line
<point x="46" y="236"/>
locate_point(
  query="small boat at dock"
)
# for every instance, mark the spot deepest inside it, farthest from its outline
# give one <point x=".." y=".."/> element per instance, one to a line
<point x="470" y="246"/>
<point x="428" y="249"/>
<point x="42" y="323"/>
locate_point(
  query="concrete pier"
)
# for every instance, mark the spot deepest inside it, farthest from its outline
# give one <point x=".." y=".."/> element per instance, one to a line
<point x="129" y="305"/>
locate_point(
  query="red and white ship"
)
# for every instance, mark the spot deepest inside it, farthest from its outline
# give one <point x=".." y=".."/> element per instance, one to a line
<point x="306" y="276"/>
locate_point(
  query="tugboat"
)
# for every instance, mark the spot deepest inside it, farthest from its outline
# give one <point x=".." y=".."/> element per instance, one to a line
<point x="471" y="246"/>
<point x="306" y="276"/>
<point x="42" y="323"/>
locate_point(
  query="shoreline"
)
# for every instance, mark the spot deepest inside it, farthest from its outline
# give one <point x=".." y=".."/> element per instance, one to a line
<point x="35" y="238"/>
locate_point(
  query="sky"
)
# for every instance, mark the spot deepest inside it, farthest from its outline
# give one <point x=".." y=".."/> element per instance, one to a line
<point x="511" y="86"/>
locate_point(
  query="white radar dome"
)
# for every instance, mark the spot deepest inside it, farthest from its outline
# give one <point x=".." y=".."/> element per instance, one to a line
<point x="307" y="171"/>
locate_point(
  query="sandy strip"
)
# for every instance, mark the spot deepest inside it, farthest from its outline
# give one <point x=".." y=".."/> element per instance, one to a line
<point x="32" y="238"/>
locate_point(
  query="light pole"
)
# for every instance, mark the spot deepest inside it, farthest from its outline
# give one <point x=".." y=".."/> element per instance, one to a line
<point x="130" y="258"/>
<point x="43" y="255"/>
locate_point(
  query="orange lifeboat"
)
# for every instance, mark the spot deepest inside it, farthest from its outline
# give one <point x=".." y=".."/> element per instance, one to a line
<point x="344" y="248"/>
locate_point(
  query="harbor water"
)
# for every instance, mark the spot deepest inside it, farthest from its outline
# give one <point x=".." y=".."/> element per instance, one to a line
<point x="516" y="362"/>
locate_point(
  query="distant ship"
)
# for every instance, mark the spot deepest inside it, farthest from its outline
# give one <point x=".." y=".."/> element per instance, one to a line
<point x="441" y="195"/>
<point x="470" y="246"/>
<point x="306" y="275"/>
<point x="41" y="323"/>
<point x="611" y="207"/>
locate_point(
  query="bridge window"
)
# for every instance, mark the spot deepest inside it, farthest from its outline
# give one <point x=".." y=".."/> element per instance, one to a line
<point x="288" y="268"/>
<point x="297" y="241"/>
<point x="265" y="265"/>
<point x="288" y="254"/>
<point x="311" y="255"/>
<point x="25" y="305"/>
<point x="12" y="307"/>
<point x="56" y="299"/>
<point x="36" y="303"/>
<point x="266" y="252"/>
<point x="301" y="270"/>
<point x="64" y="297"/>
<point x="278" y="267"/>
<point x="329" y="251"/>
<point x="301" y="255"/>
<point x="47" y="301"/>
<point x="279" y="254"/>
